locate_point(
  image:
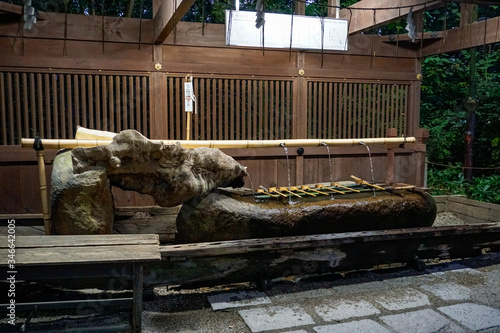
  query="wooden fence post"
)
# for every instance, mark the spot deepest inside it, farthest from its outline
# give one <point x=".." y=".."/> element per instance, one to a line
<point x="422" y="136"/>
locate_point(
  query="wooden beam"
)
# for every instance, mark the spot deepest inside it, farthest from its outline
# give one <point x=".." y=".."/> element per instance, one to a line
<point x="18" y="10"/>
<point x="471" y="35"/>
<point x="361" y="20"/>
<point x="167" y="17"/>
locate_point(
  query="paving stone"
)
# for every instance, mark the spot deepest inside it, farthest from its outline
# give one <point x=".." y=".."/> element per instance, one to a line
<point x="400" y="299"/>
<point x="449" y="291"/>
<point x="361" y="288"/>
<point x="360" y="326"/>
<point x="474" y="316"/>
<point x="238" y="299"/>
<point x="300" y="295"/>
<point x="299" y="331"/>
<point x="344" y="309"/>
<point x="275" y="318"/>
<point x="421" y="321"/>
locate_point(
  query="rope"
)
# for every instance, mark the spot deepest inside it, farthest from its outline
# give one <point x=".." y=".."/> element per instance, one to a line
<point x="463" y="167"/>
<point x="378" y="8"/>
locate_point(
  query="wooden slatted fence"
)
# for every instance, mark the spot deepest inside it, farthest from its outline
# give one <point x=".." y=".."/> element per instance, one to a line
<point x="340" y="110"/>
<point x="54" y="104"/>
<point x="232" y="108"/>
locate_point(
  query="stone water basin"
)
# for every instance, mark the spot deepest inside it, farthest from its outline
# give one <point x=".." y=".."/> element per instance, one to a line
<point x="225" y="214"/>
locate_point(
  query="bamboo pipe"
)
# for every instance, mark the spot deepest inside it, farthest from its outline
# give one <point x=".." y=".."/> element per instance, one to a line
<point x="70" y="143"/>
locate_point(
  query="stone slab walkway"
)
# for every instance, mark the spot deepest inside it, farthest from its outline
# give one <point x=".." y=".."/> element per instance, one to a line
<point x="455" y="297"/>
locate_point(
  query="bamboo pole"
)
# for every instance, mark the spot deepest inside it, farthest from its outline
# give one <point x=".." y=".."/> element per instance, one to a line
<point x="69" y="143"/>
<point x="38" y="146"/>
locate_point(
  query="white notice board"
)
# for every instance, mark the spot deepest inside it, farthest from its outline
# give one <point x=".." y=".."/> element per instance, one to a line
<point x="312" y="33"/>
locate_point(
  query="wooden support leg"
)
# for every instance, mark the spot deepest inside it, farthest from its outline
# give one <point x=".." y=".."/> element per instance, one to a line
<point x="137" y="302"/>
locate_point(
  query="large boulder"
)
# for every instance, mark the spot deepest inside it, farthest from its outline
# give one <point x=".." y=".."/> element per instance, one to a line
<point x="171" y="174"/>
<point x="80" y="203"/>
<point x="224" y="216"/>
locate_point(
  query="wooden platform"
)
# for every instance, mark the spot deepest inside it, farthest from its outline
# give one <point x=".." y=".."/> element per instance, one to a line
<point x="81" y="257"/>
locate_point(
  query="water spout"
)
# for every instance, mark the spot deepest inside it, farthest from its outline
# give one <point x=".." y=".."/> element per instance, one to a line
<point x="371" y="164"/>
<point x="288" y="166"/>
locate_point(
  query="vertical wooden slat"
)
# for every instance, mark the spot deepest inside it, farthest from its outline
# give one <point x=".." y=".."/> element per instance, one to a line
<point x="249" y="109"/>
<point x="90" y="92"/>
<point x="55" y="108"/>
<point x="138" y="122"/>
<point x="357" y="111"/>
<point x="131" y="113"/>
<point x="77" y="97"/>
<point x="330" y="111"/>
<point x="104" y="94"/>
<point x="10" y="103"/>
<point x="171" y="110"/>
<point x="324" y="128"/>
<point x="400" y="110"/>
<point x="118" y="104"/>
<point x="350" y="111"/>
<point x="201" y="112"/>
<point x="178" y="109"/>
<point x="346" y="109"/>
<point x="208" y="118"/>
<point x="48" y="118"/>
<point x="225" y="109"/>
<point x="125" y="114"/>
<point x="236" y="133"/>
<point x="232" y="117"/>
<point x="336" y="108"/>
<point x="255" y="109"/>
<point x="33" y="104"/>
<point x="243" y="108"/>
<point x="373" y="108"/>
<point x="365" y="116"/>
<point x="39" y="89"/>
<point x="3" y="110"/>
<point x="69" y="107"/>
<point x="379" y="110"/>
<point x="265" y="128"/>
<point x="97" y="98"/>
<point x="260" y="109"/>
<point x="25" y="114"/>
<point x="405" y="108"/>
<point x="289" y="113"/>
<point x="62" y="107"/>
<point x="313" y="97"/>
<point x="18" y="121"/>
<point x="84" y="100"/>
<point x="111" y="103"/>
<point x="276" y="124"/>
<point x="215" y="112"/>
<point x="280" y="126"/>
<point x="319" y="109"/>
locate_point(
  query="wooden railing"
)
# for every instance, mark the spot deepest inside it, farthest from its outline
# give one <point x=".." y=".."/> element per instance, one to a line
<point x="53" y="104"/>
<point x="341" y="110"/>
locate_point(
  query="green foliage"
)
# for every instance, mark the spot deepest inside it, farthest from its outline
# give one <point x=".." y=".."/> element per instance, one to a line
<point x="452" y="181"/>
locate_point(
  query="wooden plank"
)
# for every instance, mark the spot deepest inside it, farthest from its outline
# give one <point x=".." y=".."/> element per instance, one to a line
<point x="236" y="133"/>
<point x="255" y="108"/>
<point x="473" y="209"/>
<point x="69" y="108"/>
<point x="104" y="104"/>
<point x="361" y="20"/>
<point x="124" y="104"/>
<point x="76" y="86"/>
<point x="138" y="121"/>
<point x="24" y="120"/>
<point x="111" y="104"/>
<point x="280" y="127"/>
<point x="81" y="241"/>
<point x="202" y="111"/>
<point x="97" y="103"/>
<point x="84" y="254"/>
<point x="131" y="104"/>
<point x="118" y="103"/>
<point x="480" y="33"/>
<point x="48" y="113"/>
<point x="271" y="258"/>
<point x="11" y="191"/>
<point x="3" y="110"/>
<point x="62" y="107"/>
<point x="18" y="118"/>
<point x="215" y="111"/>
<point x="325" y="111"/>
<point x="28" y="179"/>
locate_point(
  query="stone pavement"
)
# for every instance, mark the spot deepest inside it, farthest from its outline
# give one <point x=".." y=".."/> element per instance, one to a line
<point x="460" y="296"/>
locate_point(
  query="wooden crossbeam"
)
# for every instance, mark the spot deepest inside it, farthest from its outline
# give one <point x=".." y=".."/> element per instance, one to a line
<point x="470" y="35"/>
<point x="167" y="17"/>
<point x="361" y="20"/>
